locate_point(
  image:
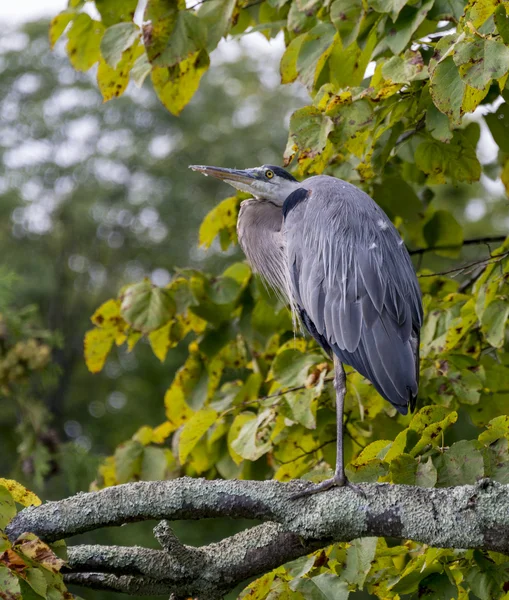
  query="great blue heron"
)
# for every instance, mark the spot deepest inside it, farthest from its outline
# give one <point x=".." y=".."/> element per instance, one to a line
<point x="337" y="259"/>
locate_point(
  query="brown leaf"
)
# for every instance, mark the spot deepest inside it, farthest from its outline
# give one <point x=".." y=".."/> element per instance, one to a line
<point x="13" y="561"/>
<point x="35" y="549"/>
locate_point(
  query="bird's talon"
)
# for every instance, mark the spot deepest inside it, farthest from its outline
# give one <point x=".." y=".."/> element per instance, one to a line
<point x="336" y="481"/>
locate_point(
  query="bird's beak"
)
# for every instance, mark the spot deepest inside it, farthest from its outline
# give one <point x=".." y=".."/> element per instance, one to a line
<point x="242" y="176"/>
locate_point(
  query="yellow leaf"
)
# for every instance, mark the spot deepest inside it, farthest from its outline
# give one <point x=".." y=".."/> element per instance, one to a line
<point x="222" y="218"/>
<point x="107" y="472"/>
<point x="107" y="315"/>
<point x="175" y="86"/>
<point x="160" y="433"/>
<point x="98" y="343"/>
<point x="194" y="430"/>
<point x="177" y="410"/>
<point x="20" y="493"/>
<point x="160" y="340"/>
<point x="132" y="339"/>
<point x="84" y="38"/>
<point x="113" y="82"/>
<point x="58" y="25"/>
<point x="288" y="65"/>
<point x="144" y="435"/>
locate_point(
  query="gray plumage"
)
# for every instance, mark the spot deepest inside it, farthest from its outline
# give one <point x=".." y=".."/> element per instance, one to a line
<point x="328" y="249"/>
<point x="352" y="275"/>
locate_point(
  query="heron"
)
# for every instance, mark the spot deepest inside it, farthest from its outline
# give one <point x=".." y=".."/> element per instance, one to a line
<point x="333" y="254"/>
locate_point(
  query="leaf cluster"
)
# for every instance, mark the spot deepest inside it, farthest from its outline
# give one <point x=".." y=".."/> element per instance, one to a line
<point x="29" y="568"/>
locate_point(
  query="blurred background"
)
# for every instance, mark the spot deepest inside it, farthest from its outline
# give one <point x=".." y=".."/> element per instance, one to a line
<point x="94" y="196"/>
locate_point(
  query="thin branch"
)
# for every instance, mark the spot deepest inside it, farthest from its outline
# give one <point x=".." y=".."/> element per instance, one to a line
<point x="277" y="395"/>
<point x="407" y="134"/>
<point x="463" y="268"/>
<point x="469" y="242"/>
<point x="128" y="584"/>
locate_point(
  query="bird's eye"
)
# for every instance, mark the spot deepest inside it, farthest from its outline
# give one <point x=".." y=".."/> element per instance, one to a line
<point x="269" y="174"/>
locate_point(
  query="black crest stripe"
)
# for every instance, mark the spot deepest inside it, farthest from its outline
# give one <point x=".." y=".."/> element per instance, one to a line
<point x="293" y="199"/>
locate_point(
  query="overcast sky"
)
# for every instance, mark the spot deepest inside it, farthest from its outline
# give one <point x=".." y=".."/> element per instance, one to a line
<point x="28" y="10"/>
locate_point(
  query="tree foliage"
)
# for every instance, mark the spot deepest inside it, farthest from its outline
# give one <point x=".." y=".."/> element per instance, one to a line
<point x="392" y="86"/>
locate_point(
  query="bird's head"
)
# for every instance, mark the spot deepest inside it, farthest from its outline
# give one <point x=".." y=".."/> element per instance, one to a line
<point x="264" y="183"/>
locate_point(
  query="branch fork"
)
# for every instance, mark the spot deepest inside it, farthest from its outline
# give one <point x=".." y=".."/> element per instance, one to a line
<point x="470" y="516"/>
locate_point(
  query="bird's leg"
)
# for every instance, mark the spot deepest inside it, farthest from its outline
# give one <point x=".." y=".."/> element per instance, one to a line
<point x="339" y="478"/>
<point x="340" y="387"/>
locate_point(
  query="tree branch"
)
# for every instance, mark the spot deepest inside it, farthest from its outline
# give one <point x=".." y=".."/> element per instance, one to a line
<point x="470" y="242"/>
<point x="472" y="516"/>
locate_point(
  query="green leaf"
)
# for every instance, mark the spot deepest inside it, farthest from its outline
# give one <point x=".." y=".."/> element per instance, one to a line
<point x="147" y="307"/>
<point x="498" y="123"/>
<point x="403" y="469"/>
<point x="387" y="6"/>
<point x="496" y="461"/>
<point x="194" y="430"/>
<point x="176" y="86"/>
<point x="359" y="556"/>
<point x="245" y="444"/>
<point x="502" y="22"/>
<point x="290" y="367"/>
<point x="426" y="475"/>
<point x="309" y="130"/>
<point x="439" y="419"/>
<point x="486" y="579"/>
<point x="438" y="124"/>
<point x="398" y="199"/>
<point x="404" y="69"/>
<point x="493" y="323"/>
<point x="447" y="89"/>
<point x="160" y="17"/>
<point x="7" y="507"/>
<point x="9" y="584"/>
<point x="481" y="60"/>
<point x="128" y="459"/>
<point x="347" y="15"/>
<point x="497" y="428"/>
<point x="187" y="39"/>
<point x="141" y="68"/>
<point x="217" y="16"/>
<point x="222" y="218"/>
<point x="442" y="231"/>
<point x="115" y="40"/>
<point x="155" y="462"/>
<point x="461" y="464"/>
<point x="113" y="11"/>
<point x="457" y="160"/>
<point x="84" y="39"/>
<point x="407" y="23"/>
<point x="288" y="65"/>
<point x="331" y="586"/>
<point x="36" y="580"/>
<point x="437" y="586"/>
<point x="313" y="54"/>
<point x="301" y="411"/>
<point x="369" y="465"/>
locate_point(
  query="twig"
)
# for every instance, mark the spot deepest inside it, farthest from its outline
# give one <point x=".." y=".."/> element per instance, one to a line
<point x="470" y="242"/>
<point x="458" y="270"/>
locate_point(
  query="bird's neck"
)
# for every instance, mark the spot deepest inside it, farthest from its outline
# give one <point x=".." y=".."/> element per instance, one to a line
<point x="259" y="230"/>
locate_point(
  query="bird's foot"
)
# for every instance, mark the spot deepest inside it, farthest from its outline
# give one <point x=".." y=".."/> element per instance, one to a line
<point x="339" y="480"/>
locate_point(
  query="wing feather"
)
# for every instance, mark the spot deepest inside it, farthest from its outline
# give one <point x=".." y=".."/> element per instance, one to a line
<point x="354" y="280"/>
